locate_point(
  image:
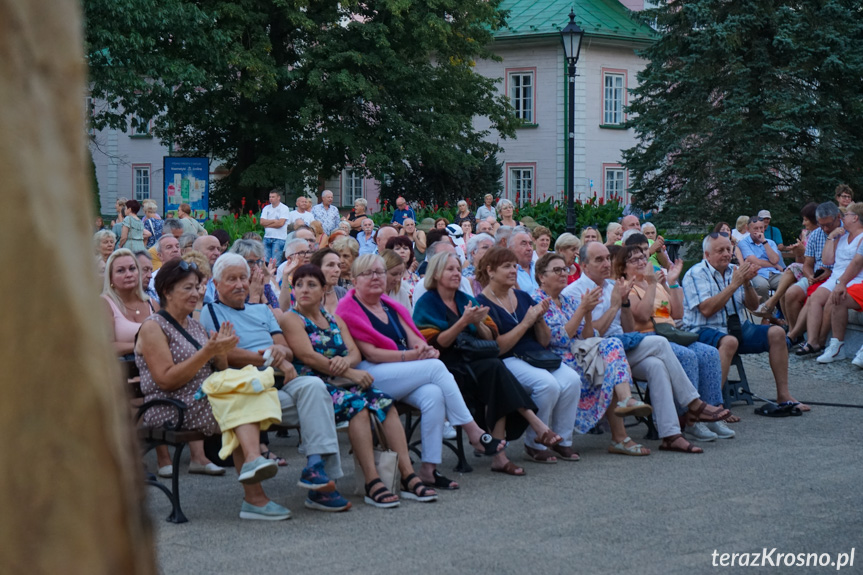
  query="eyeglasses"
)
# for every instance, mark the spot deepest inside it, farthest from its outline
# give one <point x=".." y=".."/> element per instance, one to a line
<point x="372" y="273"/>
<point x="302" y="253"/>
<point x="561" y="271"/>
<point x="186" y="266"/>
<point x="637" y="259"/>
<point x="255" y="262"/>
<point x="845" y="197"/>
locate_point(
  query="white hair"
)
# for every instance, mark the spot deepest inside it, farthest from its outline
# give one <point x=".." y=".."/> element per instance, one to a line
<point x="647" y="226"/>
<point x="229" y="260"/>
<point x="362" y="201"/>
<point x="627" y="234"/>
<point x="295" y="245"/>
<point x="503" y="203"/>
<point x="475" y="240"/>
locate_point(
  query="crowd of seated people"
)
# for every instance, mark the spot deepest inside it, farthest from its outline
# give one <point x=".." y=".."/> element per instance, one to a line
<point x="565" y="327"/>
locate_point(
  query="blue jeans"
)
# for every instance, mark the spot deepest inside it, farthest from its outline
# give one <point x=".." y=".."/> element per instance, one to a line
<point x="274" y="248"/>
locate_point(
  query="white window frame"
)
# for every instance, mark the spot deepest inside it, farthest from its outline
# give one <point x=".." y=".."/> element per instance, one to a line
<point x="142" y="183"/>
<point x="351" y="192"/>
<point x="133" y="132"/>
<point x="521" y="184"/>
<point x="522" y="94"/>
<point x="613" y="98"/>
<point x="614" y="182"/>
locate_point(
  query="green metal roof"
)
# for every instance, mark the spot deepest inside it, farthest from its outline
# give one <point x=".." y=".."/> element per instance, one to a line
<point x="598" y="18"/>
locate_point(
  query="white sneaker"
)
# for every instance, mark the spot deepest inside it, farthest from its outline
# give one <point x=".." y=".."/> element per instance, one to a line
<point x="448" y="430"/>
<point x="721" y="430"/>
<point x="834" y="352"/>
<point x="858" y="359"/>
<point x="699" y="432"/>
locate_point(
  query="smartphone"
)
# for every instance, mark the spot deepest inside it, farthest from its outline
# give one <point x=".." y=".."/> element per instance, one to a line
<point x="819" y="273"/>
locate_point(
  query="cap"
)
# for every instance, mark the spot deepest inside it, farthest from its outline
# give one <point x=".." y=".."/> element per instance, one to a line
<point x="454" y="231"/>
<point x="764" y="214"/>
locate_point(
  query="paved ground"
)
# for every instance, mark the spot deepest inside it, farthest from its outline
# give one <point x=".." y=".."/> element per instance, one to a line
<point x="792" y="484"/>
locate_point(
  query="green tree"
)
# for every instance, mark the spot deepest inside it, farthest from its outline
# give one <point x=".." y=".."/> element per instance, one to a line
<point x="286" y="92"/>
<point x="747" y="106"/>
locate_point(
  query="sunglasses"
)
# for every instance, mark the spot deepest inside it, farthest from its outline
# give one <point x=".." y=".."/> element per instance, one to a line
<point x="714" y="235"/>
<point x="186" y="266"/>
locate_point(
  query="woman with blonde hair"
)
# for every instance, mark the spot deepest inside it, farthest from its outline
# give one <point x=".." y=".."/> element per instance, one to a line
<point x="740" y="229"/>
<point x="613" y="233"/>
<point x="125" y="300"/>
<point x="464" y="215"/>
<point x="152" y="222"/>
<point x="321" y="238"/>
<point x="567" y="246"/>
<point x="590" y="234"/>
<point x="397" y="288"/>
<point x="348" y="250"/>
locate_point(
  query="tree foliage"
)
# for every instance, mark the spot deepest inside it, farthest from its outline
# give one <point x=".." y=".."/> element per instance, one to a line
<point x="748" y="105"/>
<point x="286" y="92"/>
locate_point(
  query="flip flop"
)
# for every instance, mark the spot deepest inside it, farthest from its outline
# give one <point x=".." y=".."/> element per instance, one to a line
<point x="441" y="482"/>
<point x="770" y="410"/>
<point x="796" y="404"/>
<point x="510" y="469"/>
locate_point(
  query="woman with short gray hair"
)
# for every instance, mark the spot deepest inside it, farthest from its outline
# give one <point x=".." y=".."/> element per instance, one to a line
<point x="464" y="215"/>
<point x="507" y="210"/>
<point x="104" y="242"/>
<point x="567" y="246"/>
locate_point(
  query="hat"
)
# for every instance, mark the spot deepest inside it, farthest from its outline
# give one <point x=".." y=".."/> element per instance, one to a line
<point x="454" y="231"/>
<point x="764" y="214"/>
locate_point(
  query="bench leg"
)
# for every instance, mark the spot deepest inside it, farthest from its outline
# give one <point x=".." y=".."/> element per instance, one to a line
<point x="176" y="515"/>
<point x="463" y="466"/>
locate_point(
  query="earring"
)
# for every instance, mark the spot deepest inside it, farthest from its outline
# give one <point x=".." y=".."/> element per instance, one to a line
<point x="112" y="285"/>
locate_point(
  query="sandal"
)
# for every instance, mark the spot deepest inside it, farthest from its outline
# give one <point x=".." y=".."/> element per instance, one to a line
<point x="540" y="455"/>
<point x="490" y="445"/>
<point x="637" y="409"/>
<point x="419" y="492"/>
<point x="441" y="482"/>
<point x="671" y="443"/>
<point x="566" y="453"/>
<point x="806" y="349"/>
<point x="795" y="404"/>
<point x="732" y="419"/>
<point x="622" y="449"/>
<point x="510" y="469"/>
<point x="280" y="461"/>
<point x="380" y="495"/>
<point x="701" y="414"/>
<point x="549" y="438"/>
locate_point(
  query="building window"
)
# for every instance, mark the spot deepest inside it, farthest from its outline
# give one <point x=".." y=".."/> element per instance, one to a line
<point x="522" y="95"/>
<point x="614" y="88"/>
<point x="141" y="182"/>
<point x="352" y="187"/>
<point x="615" y="183"/>
<point x="521" y="185"/>
<point x="142" y="129"/>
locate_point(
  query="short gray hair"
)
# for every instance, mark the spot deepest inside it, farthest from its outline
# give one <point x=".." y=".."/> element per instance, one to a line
<point x="162" y="238"/>
<point x="249" y="247"/>
<point x="647" y="226"/>
<point x="627" y="234"/>
<point x="362" y="201"/>
<point x="171" y="224"/>
<point x="516" y="231"/>
<point x="187" y="240"/>
<point x="566" y="240"/>
<point x="504" y="203"/>
<point x="827" y="210"/>
<point x="346" y="243"/>
<point x="100" y="235"/>
<point x="229" y="260"/>
<point x="435" y="268"/>
<point x="474" y="241"/>
<point x="294" y="246"/>
<point x="330" y="192"/>
<point x="502" y="233"/>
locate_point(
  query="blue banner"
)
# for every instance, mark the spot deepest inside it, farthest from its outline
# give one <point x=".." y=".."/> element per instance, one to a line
<point x="187" y="181"/>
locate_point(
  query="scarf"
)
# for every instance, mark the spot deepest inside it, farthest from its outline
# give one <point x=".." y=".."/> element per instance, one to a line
<point x="430" y="314"/>
<point x="360" y="326"/>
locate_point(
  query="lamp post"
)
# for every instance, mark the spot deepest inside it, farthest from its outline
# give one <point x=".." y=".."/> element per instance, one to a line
<point x="571" y="37"/>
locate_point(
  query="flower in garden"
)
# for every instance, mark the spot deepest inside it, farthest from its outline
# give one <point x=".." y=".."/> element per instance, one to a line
<point x="601" y="201"/>
<point x="243" y="202"/>
<point x="236" y="216"/>
<point x="254" y="220"/>
<point x="446" y="204"/>
<point x="215" y="217"/>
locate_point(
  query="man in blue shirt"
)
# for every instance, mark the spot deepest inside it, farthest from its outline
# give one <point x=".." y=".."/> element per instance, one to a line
<point x="304" y="400"/>
<point x="764" y="255"/>
<point x="521" y="245"/>
<point x="403" y="211"/>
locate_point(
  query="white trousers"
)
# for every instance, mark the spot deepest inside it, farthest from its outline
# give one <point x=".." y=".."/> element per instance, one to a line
<point x="555" y="393"/>
<point x="427" y="385"/>
<point x="653" y="361"/>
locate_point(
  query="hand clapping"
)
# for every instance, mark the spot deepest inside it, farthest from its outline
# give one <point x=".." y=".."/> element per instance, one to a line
<point x="223" y="341"/>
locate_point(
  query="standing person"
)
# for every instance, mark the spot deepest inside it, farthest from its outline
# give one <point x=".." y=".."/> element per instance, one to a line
<point x="487" y="209"/>
<point x="133" y="234"/>
<point x="358" y="215"/>
<point x="152" y="222"/>
<point x="844" y="196"/>
<point x="541" y="241"/>
<point x="302" y="214"/>
<point x="506" y="210"/>
<point x="117" y="224"/>
<point x="274" y="220"/>
<point x="417" y="237"/>
<point x="464" y="215"/>
<point x="402" y="212"/>
<point x="190" y="224"/>
<point x="771" y="232"/>
<point x="366" y="238"/>
<point x="326" y="213"/>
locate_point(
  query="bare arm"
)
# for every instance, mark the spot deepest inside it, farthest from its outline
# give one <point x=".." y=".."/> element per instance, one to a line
<point x="120" y="347"/>
<point x="124" y="235"/>
<point x="169" y="376"/>
<point x="542" y="332"/>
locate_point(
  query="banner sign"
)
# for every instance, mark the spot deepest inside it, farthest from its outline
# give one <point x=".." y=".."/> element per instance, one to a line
<point x="187" y="181"/>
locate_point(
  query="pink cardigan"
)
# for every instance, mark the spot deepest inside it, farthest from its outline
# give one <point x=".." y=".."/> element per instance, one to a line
<point x="361" y="328"/>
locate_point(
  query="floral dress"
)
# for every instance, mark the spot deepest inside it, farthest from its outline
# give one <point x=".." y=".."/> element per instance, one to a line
<point x="596" y="395"/>
<point x="347" y="401"/>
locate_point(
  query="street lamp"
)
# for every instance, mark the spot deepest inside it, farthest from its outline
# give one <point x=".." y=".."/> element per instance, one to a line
<point x="571" y="37"/>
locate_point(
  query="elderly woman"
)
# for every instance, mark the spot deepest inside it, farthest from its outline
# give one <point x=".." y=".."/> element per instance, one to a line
<point x="441" y="223"/>
<point x="567" y="246"/>
<point x="174" y="356"/>
<point x="474" y="250"/>
<point x="590" y="234"/>
<point x="443" y="313"/>
<point x="613" y="233"/>
<point x="263" y="287"/>
<point x="358" y="215"/>
<point x="152" y="222"/>
<point x="486" y="210"/>
<point x="348" y="250"/>
<point x="330" y="264"/>
<point x="133" y="234"/>
<point x="406" y="368"/>
<point x="103" y="246"/>
<point x="523" y="334"/>
<point x="323" y="346"/>
<point x="541" y="241"/>
<point x="320" y="237"/>
<point x="569" y="320"/>
<point x="657" y="298"/>
<point x="649" y="230"/>
<point x="199" y="260"/>
<point x="464" y="215"/>
<point x="188" y="240"/>
<point x="506" y="210"/>
<point x="397" y="288"/>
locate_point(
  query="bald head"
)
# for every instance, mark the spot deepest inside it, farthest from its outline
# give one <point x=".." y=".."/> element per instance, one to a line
<point x="630" y="223"/>
<point x="210" y="247"/>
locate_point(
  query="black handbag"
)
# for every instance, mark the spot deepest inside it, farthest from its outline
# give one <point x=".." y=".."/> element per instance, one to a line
<point x="541" y="358"/>
<point x="674" y="335"/>
<point x="473" y="348"/>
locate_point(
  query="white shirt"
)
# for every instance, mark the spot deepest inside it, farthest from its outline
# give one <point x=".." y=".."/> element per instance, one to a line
<point x="282" y="211"/>
<point x="305" y="216"/>
<point x="420" y="288"/>
<point x="583" y="285"/>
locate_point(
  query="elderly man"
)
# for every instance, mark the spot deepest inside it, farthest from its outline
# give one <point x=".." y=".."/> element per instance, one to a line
<point x="714" y="295"/>
<point x="763" y="255"/>
<point x="274" y="219"/>
<point x="304" y="400"/>
<point x="297" y="253"/>
<point x="190" y="224"/>
<point x="168" y="248"/>
<point x="651" y="359"/>
<point x="502" y="235"/>
<point x="484" y="227"/>
<point x="172" y="227"/>
<point x="383" y="235"/>
<point x="402" y="212"/>
<point x="326" y="213"/>
<point x="418" y="237"/>
<point x="366" y="237"/>
<point x="521" y="244"/>
<point x="655" y="248"/>
<point x="212" y="249"/>
<point x="302" y="214"/>
<point x="308" y="234"/>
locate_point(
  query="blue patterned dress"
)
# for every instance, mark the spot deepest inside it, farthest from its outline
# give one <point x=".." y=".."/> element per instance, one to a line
<point x="596" y="395"/>
<point x="347" y="401"/>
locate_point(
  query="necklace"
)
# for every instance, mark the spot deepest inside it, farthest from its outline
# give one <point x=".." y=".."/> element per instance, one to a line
<point x="511" y="314"/>
<point x="135" y="309"/>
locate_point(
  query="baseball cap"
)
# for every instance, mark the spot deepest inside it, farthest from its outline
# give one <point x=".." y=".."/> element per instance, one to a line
<point x="764" y="214"/>
<point x="454" y="231"/>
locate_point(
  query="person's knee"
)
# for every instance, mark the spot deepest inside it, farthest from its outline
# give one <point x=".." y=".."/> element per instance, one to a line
<point x="776" y="335"/>
<point x="431" y="400"/>
<point x="728" y="345"/>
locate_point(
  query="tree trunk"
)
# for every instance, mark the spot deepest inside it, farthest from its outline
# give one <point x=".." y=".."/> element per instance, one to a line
<point x="70" y="489"/>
